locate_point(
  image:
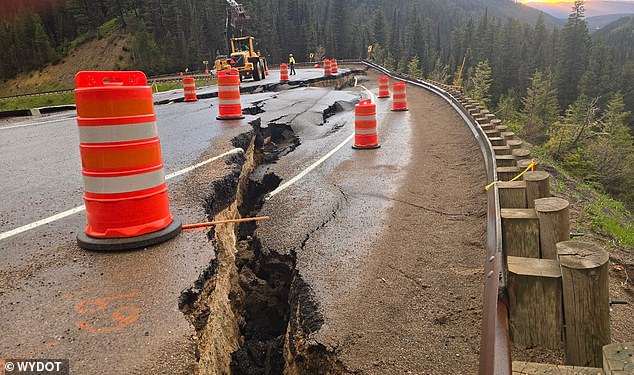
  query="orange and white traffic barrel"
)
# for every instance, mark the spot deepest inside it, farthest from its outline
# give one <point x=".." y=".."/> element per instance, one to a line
<point x="189" y="87"/>
<point x="283" y="73"/>
<point x="126" y="198"/>
<point x="229" y="105"/>
<point x="365" y="135"/>
<point x="384" y="87"/>
<point x="327" y="68"/>
<point x="334" y="68"/>
<point x="399" y="97"/>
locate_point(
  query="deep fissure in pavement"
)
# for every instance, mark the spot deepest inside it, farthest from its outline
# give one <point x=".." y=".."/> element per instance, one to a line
<point x="241" y="304"/>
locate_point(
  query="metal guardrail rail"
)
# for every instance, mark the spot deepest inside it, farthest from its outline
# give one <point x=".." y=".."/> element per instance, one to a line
<point x="495" y="352"/>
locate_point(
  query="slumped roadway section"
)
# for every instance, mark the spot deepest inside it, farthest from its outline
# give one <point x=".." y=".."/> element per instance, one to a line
<point x="387" y="246"/>
<point x="117" y="313"/>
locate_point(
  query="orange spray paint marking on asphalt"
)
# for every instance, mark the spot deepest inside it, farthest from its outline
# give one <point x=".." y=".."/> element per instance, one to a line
<point x="122" y="316"/>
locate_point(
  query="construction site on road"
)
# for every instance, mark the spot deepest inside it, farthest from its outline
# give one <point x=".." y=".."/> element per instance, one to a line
<point x="353" y="233"/>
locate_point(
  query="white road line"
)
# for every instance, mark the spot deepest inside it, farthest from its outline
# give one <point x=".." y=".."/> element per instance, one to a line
<point x="81" y="208"/>
<point x="316" y="164"/>
<point x="306" y="171"/>
<point x="37" y="123"/>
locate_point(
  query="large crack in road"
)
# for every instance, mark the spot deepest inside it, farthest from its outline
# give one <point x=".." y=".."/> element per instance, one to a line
<point x="240" y="304"/>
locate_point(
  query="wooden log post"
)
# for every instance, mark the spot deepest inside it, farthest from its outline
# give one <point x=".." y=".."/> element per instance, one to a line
<point x="537" y="186"/>
<point x="535" y="292"/>
<point x="507" y="173"/>
<point x="586" y="291"/>
<point x="618" y="359"/>
<point x="492" y="133"/>
<point x="521" y="153"/>
<point x="502" y="150"/>
<point x="490" y="116"/>
<point x="508" y="135"/>
<point x="505" y="160"/>
<point x="520" y="232"/>
<point x="501" y="128"/>
<point x="497" y="141"/>
<point x="554" y="224"/>
<point x="514" y="144"/>
<point x="523" y="164"/>
<point x="512" y="194"/>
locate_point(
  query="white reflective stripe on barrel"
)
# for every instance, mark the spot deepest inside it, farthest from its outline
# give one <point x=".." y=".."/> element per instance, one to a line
<point x="124" y="184"/>
<point x="117" y="133"/>
<point x="398" y="100"/>
<point x="365" y="118"/>
<point x="194" y="86"/>
<point x="228" y="88"/>
<point x="229" y="101"/>
<point x="365" y="131"/>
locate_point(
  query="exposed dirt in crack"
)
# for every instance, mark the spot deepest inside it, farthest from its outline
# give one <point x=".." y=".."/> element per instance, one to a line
<point x="240" y="304"/>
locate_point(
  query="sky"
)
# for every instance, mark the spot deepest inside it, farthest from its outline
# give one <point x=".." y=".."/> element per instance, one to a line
<point x="566" y="1"/>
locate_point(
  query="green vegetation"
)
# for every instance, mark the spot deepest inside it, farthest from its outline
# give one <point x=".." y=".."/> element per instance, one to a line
<point x="28" y="102"/>
<point x="610" y="218"/>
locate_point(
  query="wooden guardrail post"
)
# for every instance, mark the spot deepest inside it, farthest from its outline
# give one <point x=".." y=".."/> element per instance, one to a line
<point x="535" y="292"/>
<point x="554" y="224"/>
<point x="512" y="194"/>
<point x="618" y="359"/>
<point x="537" y="186"/>
<point x="520" y="232"/>
<point x="585" y="277"/>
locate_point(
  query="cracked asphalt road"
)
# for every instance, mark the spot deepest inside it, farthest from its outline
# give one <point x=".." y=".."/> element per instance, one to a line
<point x="109" y="312"/>
<point x="390" y="242"/>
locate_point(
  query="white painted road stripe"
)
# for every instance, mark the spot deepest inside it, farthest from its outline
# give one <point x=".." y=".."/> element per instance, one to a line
<point x="81" y="208"/>
<point x="37" y="123"/>
<point x="316" y="164"/>
<point x="306" y="171"/>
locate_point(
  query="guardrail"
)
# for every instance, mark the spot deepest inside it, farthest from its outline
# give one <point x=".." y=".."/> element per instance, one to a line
<point x="495" y="352"/>
<point x="163" y="78"/>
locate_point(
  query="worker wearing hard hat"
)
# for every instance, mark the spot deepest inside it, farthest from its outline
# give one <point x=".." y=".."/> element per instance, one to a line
<point x="291" y="63"/>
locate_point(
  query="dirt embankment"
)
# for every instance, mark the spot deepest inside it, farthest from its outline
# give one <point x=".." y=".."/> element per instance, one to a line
<point x="107" y="53"/>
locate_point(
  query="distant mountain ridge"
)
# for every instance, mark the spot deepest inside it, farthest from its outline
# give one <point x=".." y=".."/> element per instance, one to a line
<point x="599" y="22"/>
<point x="593" y="8"/>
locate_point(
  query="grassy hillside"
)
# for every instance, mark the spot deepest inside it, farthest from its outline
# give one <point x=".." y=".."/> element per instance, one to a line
<point x="107" y="53"/>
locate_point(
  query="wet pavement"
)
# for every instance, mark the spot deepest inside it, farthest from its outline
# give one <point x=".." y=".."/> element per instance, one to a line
<point x="114" y="312"/>
<point x="273" y="78"/>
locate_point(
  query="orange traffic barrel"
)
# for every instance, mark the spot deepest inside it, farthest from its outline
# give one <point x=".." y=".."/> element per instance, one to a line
<point x="327" y="68"/>
<point x="229" y="105"/>
<point x="316" y="66"/>
<point x="189" y="87"/>
<point x="399" y="97"/>
<point x="125" y="193"/>
<point x="384" y="87"/>
<point x="334" y="68"/>
<point x="283" y="73"/>
<point x="365" y="136"/>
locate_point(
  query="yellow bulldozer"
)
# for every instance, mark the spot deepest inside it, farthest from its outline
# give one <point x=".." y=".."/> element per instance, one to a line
<point x="243" y="57"/>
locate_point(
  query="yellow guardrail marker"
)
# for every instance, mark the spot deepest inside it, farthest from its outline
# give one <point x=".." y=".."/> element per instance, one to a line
<point x="531" y="167"/>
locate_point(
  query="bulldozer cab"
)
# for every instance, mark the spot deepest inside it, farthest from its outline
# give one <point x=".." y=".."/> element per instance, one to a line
<point x="243" y="45"/>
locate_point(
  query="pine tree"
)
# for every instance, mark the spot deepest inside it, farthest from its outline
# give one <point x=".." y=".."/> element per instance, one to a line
<point x="573" y="54"/>
<point x="480" y="83"/>
<point x="379" y="28"/>
<point x="569" y="136"/>
<point x="612" y="150"/>
<point x="540" y="107"/>
<point x="413" y="68"/>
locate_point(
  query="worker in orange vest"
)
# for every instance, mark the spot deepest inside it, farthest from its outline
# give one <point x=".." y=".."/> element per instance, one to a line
<point x="291" y="63"/>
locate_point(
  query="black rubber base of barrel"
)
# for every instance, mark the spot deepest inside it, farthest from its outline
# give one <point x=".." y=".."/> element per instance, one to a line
<point x="229" y="118"/>
<point x="130" y="243"/>
<point x="400" y="110"/>
<point x="366" y="148"/>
